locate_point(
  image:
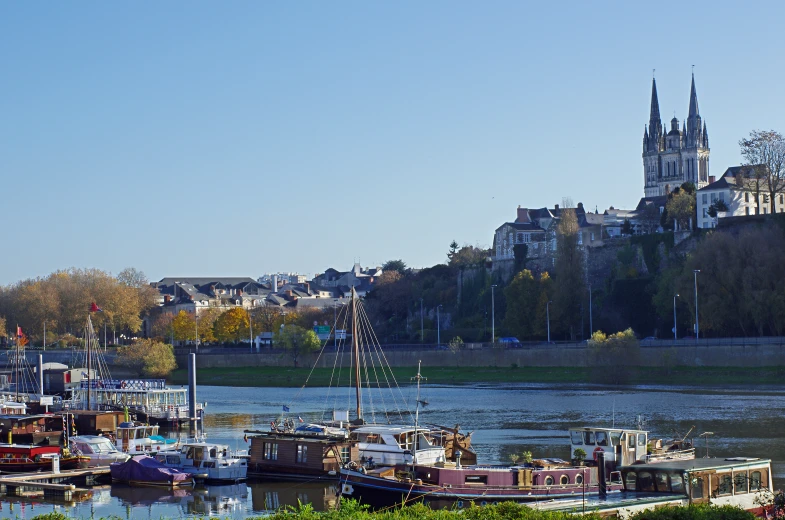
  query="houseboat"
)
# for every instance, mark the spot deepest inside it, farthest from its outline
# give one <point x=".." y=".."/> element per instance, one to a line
<point x="23" y="458"/>
<point x="31" y="429"/>
<point x="138" y="438"/>
<point x="624" y="446"/>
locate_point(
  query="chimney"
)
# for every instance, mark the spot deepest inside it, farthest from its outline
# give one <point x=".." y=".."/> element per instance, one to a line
<point x="523" y="215"/>
<point x="167" y="298"/>
<point x="712" y="178"/>
<point x="239" y="292"/>
<point x="556" y="207"/>
<point x="307" y="287"/>
<point x="580" y="206"/>
<point x="274" y="285"/>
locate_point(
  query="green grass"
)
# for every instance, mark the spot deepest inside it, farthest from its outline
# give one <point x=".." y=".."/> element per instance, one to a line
<point x="295" y="377"/>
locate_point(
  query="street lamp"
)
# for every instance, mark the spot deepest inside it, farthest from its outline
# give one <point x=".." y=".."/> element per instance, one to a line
<point x="548" y="318"/>
<point x="591" y="326"/>
<point x="438" y="326"/>
<point x="697" y="328"/>
<point x="196" y="329"/>
<point x="675" y="335"/>
<point x="493" y="315"/>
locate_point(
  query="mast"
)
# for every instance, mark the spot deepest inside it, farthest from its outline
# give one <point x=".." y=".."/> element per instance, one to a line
<point x="417" y="378"/>
<point x="16" y="364"/>
<point x="356" y="349"/>
<point x="88" y="329"/>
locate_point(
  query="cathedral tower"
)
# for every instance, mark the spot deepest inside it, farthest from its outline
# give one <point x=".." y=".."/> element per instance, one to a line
<point x="678" y="156"/>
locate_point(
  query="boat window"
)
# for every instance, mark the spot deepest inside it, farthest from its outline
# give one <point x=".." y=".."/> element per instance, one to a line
<point x="212" y="453"/>
<point x="270" y="451"/>
<point x="724" y="484"/>
<point x="302" y="453"/>
<point x="630" y="440"/>
<point x="755" y="480"/>
<point x="677" y="483"/>
<point x="641" y="439"/>
<point x="345" y="453"/>
<point x="588" y="437"/>
<point x="564" y="480"/>
<point x="576" y="438"/>
<point x="740" y="483"/>
<point x="615" y="438"/>
<point x="549" y="480"/>
<point x="579" y="479"/>
<point x="602" y="439"/>
<point x="646" y="481"/>
<point x="661" y="481"/>
<point x="172" y="459"/>
<point x="696" y="485"/>
<point x="476" y="479"/>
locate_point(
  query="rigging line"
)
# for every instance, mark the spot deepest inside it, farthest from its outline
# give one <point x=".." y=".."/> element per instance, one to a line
<point x="395" y="381"/>
<point x="332" y="374"/>
<point x="322" y="350"/>
<point x="376" y="351"/>
<point x="364" y="358"/>
<point x="367" y="356"/>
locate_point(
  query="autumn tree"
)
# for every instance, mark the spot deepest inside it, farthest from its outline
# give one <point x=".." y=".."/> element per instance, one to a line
<point x="232" y="326"/>
<point x="764" y="154"/>
<point x="569" y="276"/>
<point x="522" y="296"/>
<point x="616" y="355"/>
<point x="681" y="209"/>
<point x="184" y="325"/>
<point x="148" y="358"/>
<point x="394" y="265"/>
<point x="206" y="325"/>
<point x="297" y="341"/>
<point x="468" y="256"/>
<point x="161" y="327"/>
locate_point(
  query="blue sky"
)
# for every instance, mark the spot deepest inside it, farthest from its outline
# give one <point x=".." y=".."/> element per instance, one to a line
<point x="239" y="138"/>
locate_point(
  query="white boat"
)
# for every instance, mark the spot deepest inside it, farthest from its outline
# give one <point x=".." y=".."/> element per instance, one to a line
<point x="624" y="446"/>
<point x="137" y="438"/>
<point x="206" y="460"/>
<point x="98" y="450"/>
<point x="388" y="445"/>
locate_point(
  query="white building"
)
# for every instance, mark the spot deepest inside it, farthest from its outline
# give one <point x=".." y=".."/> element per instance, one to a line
<point x="740" y="202"/>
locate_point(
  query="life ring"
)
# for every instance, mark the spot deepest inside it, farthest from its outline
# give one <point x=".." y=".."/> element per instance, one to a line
<point x="596" y="451"/>
<point x="122" y="385"/>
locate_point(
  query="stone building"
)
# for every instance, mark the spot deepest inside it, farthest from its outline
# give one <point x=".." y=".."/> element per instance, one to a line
<point x="673" y="157"/>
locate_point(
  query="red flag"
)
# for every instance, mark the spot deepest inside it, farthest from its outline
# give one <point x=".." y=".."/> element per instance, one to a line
<point x="95" y="308"/>
<point x="19" y="333"/>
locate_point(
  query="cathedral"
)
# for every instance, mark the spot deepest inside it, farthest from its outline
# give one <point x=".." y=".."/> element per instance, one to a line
<point x="673" y="157"/>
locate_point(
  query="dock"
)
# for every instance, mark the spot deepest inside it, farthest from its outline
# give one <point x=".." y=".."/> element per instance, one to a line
<point x="51" y="484"/>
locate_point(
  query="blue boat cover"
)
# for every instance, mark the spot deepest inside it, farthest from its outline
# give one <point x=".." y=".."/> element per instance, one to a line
<point x="142" y="468"/>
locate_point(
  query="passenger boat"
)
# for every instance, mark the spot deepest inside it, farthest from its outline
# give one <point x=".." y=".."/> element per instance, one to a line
<point x="143" y="470"/>
<point x="280" y="451"/>
<point x="135" y="437"/>
<point x="95" y="450"/>
<point x="734" y="481"/>
<point x="17" y="458"/>
<point x="207" y="461"/>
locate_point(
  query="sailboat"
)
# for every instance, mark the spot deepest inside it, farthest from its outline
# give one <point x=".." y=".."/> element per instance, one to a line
<point x="150" y="400"/>
<point x="343" y="439"/>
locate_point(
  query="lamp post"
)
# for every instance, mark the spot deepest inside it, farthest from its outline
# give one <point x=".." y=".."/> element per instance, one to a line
<point x="196" y="330"/>
<point x="493" y="315"/>
<point x="422" y="337"/>
<point x="675" y="335"/>
<point x="250" y="327"/>
<point x="438" y="326"/>
<point x="591" y="325"/>
<point x="697" y="328"/>
<point x="548" y="318"/>
<point x="335" y="324"/>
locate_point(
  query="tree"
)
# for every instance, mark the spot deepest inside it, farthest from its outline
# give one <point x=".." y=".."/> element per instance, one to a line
<point x="681" y="208"/>
<point x="520" y="251"/>
<point x="716" y="206"/>
<point x="297" y="340"/>
<point x="618" y="353"/>
<point x="764" y="154"/>
<point x="626" y="227"/>
<point x="453" y="250"/>
<point x="649" y="218"/>
<point x="522" y="295"/>
<point x="232" y="326"/>
<point x="184" y="326"/>
<point x="148" y="358"/>
<point x="469" y="256"/>
<point x="394" y="265"/>
<point x="569" y="276"/>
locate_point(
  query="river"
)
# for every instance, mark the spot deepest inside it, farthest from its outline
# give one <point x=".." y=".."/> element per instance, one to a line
<point x="505" y="419"/>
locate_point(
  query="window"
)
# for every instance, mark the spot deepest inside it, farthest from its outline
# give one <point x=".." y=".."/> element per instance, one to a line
<point x="592" y="236"/>
<point x="302" y="453"/>
<point x="724" y="484"/>
<point x="641" y="439"/>
<point x="602" y="439"/>
<point x="677" y="483"/>
<point x="630" y="440"/>
<point x="705" y="198"/>
<point x="576" y="437"/>
<point x="713" y="198"/>
<point x="646" y="481"/>
<point x="270" y="451"/>
<point x="696" y="485"/>
<point x="615" y="438"/>
<point x="520" y="238"/>
<point x="747" y="211"/>
<point x="661" y="481"/>
<point x="746" y="197"/>
<point x="476" y="479"/>
<point x="722" y="196"/>
<point x="564" y="480"/>
<point x="630" y="480"/>
<point x="345" y="453"/>
<point x="549" y="480"/>
<point x="579" y="479"/>
<point x="588" y="438"/>
<point x="755" y="481"/>
<point x="740" y="483"/>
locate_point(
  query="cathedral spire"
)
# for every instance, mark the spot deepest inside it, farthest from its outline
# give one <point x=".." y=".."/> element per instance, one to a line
<point x="693" y="100"/>
<point x="654" y="113"/>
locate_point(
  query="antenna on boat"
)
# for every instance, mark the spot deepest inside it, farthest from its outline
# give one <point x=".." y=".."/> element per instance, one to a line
<point x="417" y="378"/>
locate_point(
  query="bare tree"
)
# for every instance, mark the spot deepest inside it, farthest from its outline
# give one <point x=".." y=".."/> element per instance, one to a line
<point x="764" y="153"/>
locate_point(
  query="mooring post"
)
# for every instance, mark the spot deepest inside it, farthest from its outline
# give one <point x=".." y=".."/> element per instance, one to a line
<point x="192" y="391"/>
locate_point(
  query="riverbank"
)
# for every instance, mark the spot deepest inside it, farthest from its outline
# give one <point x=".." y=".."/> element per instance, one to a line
<point x="296" y="377"/>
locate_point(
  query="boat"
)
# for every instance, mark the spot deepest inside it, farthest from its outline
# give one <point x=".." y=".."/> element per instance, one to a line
<point x="733" y="481"/>
<point x="280" y="451"/>
<point x="136" y="437"/>
<point x="624" y="446"/>
<point x="150" y="400"/>
<point x="95" y="450"/>
<point x="18" y="458"/>
<point x="206" y="461"/>
<point x="143" y="470"/>
<point x="31" y="429"/>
